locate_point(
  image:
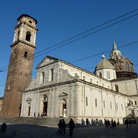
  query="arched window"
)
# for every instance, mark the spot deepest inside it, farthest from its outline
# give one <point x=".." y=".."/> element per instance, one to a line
<point x="28" y="36"/>
<point x="42" y="77"/>
<point x="18" y="34"/>
<point x="95" y="102"/>
<point x="108" y="75"/>
<point x="25" y="54"/>
<point x="116" y="88"/>
<point x="86" y="100"/>
<point x="45" y="98"/>
<point x="51" y="75"/>
<point x="100" y="74"/>
<point x="127" y="66"/>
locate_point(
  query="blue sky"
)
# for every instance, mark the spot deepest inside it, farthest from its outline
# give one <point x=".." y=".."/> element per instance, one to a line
<point x="59" y="20"/>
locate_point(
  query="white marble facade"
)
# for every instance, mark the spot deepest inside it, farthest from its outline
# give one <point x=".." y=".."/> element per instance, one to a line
<point x="62" y="89"/>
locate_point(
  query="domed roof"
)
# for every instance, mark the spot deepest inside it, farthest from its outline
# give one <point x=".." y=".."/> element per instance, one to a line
<point x="104" y="64"/>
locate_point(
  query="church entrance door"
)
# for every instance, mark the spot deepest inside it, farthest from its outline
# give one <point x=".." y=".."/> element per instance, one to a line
<point x="29" y="108"/>
<point x="63" y="108"/>
<point x="45" y="108"/>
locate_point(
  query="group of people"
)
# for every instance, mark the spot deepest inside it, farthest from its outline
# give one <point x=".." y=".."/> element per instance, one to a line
<point x="62" y="127"/>
<point x="42" y="114"/>
<point x="127" y="123"/>
<point x="110" y="124"/>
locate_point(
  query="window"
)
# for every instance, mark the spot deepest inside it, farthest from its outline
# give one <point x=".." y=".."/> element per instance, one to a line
<point x="100" y="74"/>
<point x="111" y="105"/>
<point x="116" y="88"/>
<point x="9" y="88"/>
<point x="86" y="100"/>
<point x="30" y="21"/>
<point x="28" y="36"/>
<point x="116" y="106"/>
<point x="127" y="66"/>
<point x="51" y="75"/>
<point x="45" y="98"/>
<point x="91" y="80"/>
<point x="135" y="102"/>
<point x="95" y="102"/>
<point x="42" y="77"/>
<point x="83" y="77"/>
<point x="18" y="34"/>
<point x="108" y="75"/>
<point x="25" y="54"/>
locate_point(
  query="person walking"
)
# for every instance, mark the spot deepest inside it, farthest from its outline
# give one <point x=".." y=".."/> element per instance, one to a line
<point x="108" y="123"/>
<point x="59" y="127"/>
<point x="63" y="126"/>
<point x="126" y="123"/>
<point x="71" y="127"/>
<point x="114" y="124"/>
<point x="129" y="122"/>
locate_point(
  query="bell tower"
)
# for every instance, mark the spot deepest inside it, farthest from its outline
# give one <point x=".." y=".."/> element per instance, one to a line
<point x="20" y="65"/>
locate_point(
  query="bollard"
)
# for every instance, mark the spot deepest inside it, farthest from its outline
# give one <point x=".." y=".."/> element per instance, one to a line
<point x="3" y="128"/>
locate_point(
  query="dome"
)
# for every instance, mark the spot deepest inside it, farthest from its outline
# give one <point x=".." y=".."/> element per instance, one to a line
<point x="104" y="64"/>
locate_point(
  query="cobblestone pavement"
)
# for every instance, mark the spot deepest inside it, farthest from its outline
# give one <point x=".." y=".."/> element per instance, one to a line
<point x="31" y="131"/>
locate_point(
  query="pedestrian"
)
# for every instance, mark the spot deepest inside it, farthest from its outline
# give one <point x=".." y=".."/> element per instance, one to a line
<point x="129" y="122"/>
<point x="126" y="123"/>
<point x="71" y="127"/>
<point x="108" y="123"/>
<point x="114" y="123"/>
<point x="59" y="127"/>
<point x="105" y="123"/>
<point x="63" y="126"/>
<point x="3" y="128"/>
<point x="87" y="122"/>
<point x="34" y="114"/>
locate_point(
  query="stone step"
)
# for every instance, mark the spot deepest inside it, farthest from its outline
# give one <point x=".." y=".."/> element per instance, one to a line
<point x="41" y="121"/>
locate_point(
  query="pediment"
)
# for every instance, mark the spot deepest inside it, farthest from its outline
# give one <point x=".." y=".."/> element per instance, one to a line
<point x="63" y="94"/>
<point x="46" y="61"/>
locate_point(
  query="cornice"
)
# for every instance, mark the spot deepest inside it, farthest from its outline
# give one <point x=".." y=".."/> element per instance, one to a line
<point x="25" y="23"/>
<point x="74" y="81"/>
<point x="20" y="41"/>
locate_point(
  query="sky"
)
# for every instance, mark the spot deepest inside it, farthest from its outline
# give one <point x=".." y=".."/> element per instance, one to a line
<point x="60" y="20"/>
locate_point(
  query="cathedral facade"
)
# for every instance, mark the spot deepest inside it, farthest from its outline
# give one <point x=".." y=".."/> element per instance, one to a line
<point x="61" y="89"/>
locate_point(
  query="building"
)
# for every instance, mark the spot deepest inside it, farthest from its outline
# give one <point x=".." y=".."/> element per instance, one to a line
<point x="20" y="65"/>
<point x="1" y="102"/>
<point x="61" y="89"/>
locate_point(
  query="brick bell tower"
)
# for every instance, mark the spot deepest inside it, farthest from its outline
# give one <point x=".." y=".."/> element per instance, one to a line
<point x="20" y="65"/>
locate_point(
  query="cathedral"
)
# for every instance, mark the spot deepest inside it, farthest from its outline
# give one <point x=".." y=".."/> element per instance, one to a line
<point x="61" y="89"/>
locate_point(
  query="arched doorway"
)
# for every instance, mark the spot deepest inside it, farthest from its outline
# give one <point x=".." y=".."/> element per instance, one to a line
<point x="28" y="101"/>
<point x="63" y="108"/>
<point x="45" y="105"/>
<point x="29" y="109"/>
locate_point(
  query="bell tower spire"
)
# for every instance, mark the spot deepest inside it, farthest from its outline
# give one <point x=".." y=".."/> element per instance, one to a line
<point x="20" y="65"/>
